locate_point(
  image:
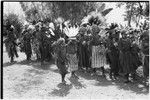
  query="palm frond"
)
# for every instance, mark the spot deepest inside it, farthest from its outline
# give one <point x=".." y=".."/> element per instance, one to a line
<point x="105" y="12"/>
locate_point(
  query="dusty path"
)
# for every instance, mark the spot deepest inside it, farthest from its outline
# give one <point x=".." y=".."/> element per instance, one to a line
<point x="24" y="80"/>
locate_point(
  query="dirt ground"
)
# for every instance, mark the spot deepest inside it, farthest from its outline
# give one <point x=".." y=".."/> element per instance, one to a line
<point x="23" y="80"/>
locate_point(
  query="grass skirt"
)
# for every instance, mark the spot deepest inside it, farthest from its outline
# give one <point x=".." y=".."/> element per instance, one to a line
<point x="73" y="62"/>
<point x="98" y="57"/>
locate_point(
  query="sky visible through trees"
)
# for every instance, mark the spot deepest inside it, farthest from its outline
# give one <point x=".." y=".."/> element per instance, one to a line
<point x="114" y="16"/>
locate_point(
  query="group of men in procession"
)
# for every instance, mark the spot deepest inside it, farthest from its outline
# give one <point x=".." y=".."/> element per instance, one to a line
<point x="88" y="50"/>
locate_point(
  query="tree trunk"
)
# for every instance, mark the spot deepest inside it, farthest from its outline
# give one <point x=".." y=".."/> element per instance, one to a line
<point x="138" y="20"/>
<point x="130" y="16"/>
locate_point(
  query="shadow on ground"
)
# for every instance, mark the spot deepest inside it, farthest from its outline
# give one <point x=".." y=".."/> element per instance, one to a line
<point x="64" y="90"/>
<point x="101" y="81"/>
<point x="76" y="83"/>
<point x="8" y="64"/>
<point x="137" y="87"/>
<point x="34" y="63"/>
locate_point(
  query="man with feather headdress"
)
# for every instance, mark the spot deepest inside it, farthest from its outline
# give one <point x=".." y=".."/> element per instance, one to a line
<point x="71" y="50"/>
<point x="10" y="43"/>
<point x="98" y="50"/>
<point x="94" y="21"/>
<point x="144" y="38"/>
<point x="61" y="57"/>
<point x="44" y="44"/>
<point x="135" y="50"/>
<point x="112" y="54"/>
<point x="27" y="43"/>
<point x="127" y="57"/>
<point x="83" y="52"/>
<point x="35" y="42"/>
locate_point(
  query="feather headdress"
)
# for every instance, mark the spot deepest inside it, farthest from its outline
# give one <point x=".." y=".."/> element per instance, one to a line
<point x="94" y="18"/>
<point x="71" y="32"/>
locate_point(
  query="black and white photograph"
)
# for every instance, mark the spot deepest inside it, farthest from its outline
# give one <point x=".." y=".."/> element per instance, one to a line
<point x="90" y="50"/>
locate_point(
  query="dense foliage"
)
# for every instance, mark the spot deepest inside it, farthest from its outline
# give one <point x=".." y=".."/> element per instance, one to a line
<point x="73" y="11"/>
<point x="135" y="11"/>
